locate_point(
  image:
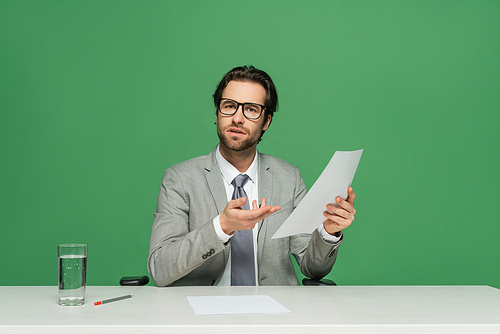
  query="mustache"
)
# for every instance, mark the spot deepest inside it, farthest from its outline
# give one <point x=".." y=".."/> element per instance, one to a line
<point x="234" y="126"/>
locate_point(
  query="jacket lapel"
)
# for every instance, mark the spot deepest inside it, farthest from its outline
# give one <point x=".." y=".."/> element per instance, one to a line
<point x="265" y="190"/>
<point x="216" y="186"/>
<point x="214" y="181"/>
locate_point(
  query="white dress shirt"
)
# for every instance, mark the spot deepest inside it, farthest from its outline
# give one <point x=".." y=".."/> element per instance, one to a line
<point x="229" y="172"/>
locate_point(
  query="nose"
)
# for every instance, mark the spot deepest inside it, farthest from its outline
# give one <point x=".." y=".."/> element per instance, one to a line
<point x="238" y="116"/>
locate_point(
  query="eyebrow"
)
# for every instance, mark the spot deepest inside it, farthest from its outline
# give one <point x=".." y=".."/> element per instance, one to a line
<point x="228" y="98"/>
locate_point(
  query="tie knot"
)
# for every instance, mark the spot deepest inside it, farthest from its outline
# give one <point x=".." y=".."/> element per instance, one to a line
<point x="240" y="180"/>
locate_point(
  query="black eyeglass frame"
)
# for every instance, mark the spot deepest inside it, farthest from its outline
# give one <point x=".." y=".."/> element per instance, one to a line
<point x="242" y="108"/>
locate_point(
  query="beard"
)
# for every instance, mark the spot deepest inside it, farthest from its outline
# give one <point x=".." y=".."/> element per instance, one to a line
<point x="237" y="144"/>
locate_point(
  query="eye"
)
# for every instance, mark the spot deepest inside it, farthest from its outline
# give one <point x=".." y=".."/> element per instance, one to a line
<point x="252" y="108"/>
<point x="228" y="105"/>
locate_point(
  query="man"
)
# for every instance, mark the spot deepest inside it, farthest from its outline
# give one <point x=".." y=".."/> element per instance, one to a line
<point x="209" y="228"/>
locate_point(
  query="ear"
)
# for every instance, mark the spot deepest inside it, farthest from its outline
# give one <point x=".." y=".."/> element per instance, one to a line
<point x="267" y="123"/>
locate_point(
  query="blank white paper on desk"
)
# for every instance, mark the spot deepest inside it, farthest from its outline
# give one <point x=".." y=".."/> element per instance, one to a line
<point x="260" y="304"/>
<point x="333" y="182"/>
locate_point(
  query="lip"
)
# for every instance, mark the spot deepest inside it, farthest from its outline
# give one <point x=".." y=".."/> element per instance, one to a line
<point x="233" y="131"/>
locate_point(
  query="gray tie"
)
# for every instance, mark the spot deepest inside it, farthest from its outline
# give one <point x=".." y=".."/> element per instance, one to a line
<point x="242" y="254"/>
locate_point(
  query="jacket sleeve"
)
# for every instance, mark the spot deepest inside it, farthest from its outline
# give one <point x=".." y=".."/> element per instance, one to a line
<point x="314" y="255"/>
<point x="177" y="247"/>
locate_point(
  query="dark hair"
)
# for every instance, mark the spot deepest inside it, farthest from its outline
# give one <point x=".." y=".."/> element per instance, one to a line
<point x="251" y="74"/>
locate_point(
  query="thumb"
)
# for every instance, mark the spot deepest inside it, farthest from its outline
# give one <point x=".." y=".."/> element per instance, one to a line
<point x="236" y="203"/>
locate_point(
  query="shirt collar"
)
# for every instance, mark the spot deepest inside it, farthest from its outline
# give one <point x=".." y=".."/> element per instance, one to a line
<point x="229" y="172"/>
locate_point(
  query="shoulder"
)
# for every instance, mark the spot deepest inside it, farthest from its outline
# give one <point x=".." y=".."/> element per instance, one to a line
<point x="203" y="162"/>
<point x="268" y="161"/>
<point x="189" y="167"/>
<point x="188" y="164"/>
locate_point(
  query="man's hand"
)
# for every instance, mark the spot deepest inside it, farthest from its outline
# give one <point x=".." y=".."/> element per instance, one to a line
<point x="234" y="218"/>
<point x="341" y="217"/>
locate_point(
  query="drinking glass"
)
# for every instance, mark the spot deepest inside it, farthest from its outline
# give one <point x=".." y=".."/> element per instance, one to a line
<point x="72" y="263"/>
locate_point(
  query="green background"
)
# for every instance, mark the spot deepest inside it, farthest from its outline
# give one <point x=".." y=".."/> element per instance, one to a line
<point x="98" y="98"/>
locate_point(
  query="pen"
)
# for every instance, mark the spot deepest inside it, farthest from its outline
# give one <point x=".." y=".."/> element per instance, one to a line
<point x="112" y="300"/>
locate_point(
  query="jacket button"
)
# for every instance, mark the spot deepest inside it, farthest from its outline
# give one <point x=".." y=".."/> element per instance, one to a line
<point x="204" y="257"/>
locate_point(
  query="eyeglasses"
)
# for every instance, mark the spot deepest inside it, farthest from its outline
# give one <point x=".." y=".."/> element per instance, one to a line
<point x="251" y="110"/>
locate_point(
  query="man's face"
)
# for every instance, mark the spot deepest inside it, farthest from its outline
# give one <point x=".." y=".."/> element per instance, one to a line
<point x="236" y="132"/>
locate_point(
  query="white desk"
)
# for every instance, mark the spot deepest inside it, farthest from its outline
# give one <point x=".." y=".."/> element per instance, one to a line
<point x="342" y="309"/>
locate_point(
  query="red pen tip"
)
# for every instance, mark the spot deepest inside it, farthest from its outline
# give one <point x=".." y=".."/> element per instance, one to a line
<point x="97" y="303"/>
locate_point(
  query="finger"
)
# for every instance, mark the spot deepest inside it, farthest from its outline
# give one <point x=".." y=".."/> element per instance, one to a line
<point x="339" y="211"/>
<point x="272" y="209"/>
<point x="275" y="208"/>
<point x="351" y="196"/>
<point x="344" y="204"/>
<point x="258" y="214"/>
<point x="333" y="217"/>
<point x="341" y="222"/>
<point x="267" y="214"/>
<point x="253" y="214"/>
<point x="332" y="227"/>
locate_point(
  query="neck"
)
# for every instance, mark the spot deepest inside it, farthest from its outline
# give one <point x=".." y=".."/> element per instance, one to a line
<point x="241" y="160"/>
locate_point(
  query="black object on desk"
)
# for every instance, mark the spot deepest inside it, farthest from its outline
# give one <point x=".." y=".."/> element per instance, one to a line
<point x="134" y="280"/>
<point x="313" y="282"/>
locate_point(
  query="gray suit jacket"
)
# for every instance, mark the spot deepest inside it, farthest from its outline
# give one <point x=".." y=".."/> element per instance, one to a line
<point x="185" y="249"/>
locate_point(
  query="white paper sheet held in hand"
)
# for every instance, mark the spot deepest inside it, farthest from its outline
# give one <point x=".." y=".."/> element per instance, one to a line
<point x="333" y="182"/>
